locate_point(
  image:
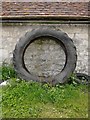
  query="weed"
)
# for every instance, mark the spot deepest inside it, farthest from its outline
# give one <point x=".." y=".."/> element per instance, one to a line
<point x="7" y="71"/>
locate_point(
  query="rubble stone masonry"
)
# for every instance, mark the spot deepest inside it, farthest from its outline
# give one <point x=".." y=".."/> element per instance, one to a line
<point x="48" y="50"/>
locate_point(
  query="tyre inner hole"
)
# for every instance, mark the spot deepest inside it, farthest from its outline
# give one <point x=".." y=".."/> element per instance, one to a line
<point x="44" y="57"/>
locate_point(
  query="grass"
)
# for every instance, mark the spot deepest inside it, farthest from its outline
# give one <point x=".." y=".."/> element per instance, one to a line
<point x="22" y="99"/>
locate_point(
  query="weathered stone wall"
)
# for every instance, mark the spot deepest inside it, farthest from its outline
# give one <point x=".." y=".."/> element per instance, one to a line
<point x="46" y="54"/>
<point x="44" y="57"/>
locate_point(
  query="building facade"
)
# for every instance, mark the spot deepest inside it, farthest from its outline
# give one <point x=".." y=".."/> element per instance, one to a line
<point x="69" y="17"/>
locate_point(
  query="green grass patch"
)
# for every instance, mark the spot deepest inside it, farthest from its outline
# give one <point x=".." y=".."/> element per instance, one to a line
<point x="22" y="99"/>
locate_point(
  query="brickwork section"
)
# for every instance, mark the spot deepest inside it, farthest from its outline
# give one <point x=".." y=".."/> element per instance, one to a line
<point x="45" y="9"/>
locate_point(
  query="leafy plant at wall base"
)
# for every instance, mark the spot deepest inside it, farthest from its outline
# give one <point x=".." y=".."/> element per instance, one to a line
<point x="7" y="71"/>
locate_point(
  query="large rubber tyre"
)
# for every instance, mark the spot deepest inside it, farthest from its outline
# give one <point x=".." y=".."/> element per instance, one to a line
<point x="62" y="38"/>
<point x="82" y="78"/>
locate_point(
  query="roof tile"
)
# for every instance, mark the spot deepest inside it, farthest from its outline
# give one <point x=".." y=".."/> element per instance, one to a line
<point x="45" y="8"/>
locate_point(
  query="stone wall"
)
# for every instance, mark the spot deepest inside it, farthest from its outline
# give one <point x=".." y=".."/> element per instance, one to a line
<point x="44" y="61"/>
